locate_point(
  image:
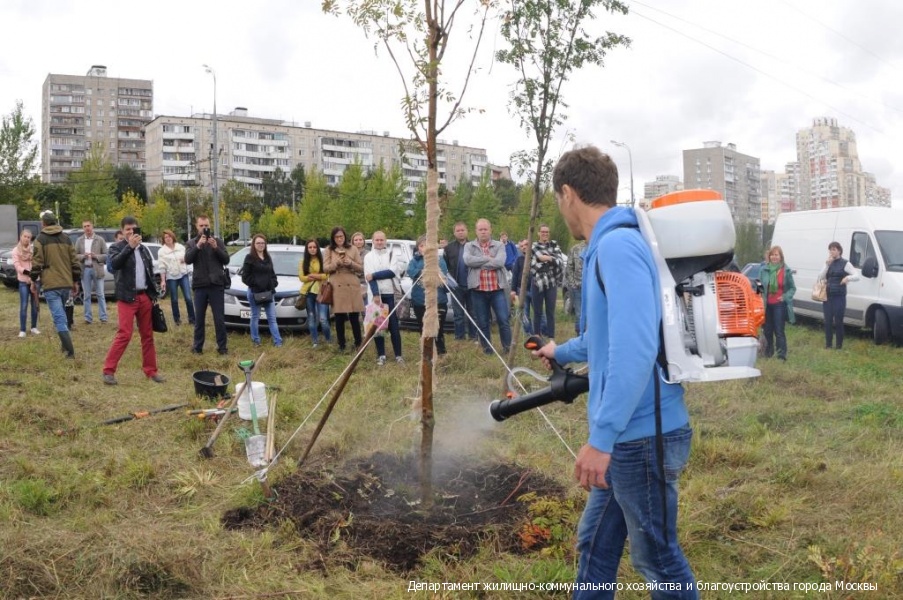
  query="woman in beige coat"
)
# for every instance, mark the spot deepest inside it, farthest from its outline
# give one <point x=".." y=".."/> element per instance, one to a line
<point x="344" y="266"/>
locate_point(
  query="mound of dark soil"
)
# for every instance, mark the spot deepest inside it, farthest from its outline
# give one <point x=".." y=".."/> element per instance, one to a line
<point x="371" y="508"/>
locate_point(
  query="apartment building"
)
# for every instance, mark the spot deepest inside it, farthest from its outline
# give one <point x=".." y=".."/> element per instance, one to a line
<point x="180" y="152"/>
<point x="78" y="111"/>
<point x="734" y="175"/>
<point x="831" y="174"/>
<point x="663" y="184"/>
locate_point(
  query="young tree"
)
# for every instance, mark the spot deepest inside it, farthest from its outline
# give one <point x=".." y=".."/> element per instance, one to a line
<point x="485" y="204"/>
<point x="18" y="158"/>
<point x="547" y="43"/>
<point x="131" y="206"/>
<point x="299" y="182"/>
<point x="94" y="190"/>
<point x="314" y="220"/>
<point x="415" y="33"/>
<point x="158" y="215"/>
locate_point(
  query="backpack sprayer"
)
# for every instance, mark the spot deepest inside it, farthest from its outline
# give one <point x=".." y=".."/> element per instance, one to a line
<point x="710" y="317"/>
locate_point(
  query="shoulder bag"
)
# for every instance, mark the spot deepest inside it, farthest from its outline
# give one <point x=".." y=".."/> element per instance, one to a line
<point x="325" y="295"/>
<point x="263" y="297"/>
<point x="820" y="290"/>
<point x="158" y="319"/>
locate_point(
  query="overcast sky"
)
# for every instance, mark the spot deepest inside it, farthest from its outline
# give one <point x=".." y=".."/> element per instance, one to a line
<point x="751" y="73"/>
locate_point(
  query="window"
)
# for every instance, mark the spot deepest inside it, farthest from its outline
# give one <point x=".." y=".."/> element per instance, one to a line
<point x="860" y="249"/>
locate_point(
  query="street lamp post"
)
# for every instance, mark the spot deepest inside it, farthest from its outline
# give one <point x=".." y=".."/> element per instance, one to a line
<point x="214" y="161"/>
<point x="630" y="158"/>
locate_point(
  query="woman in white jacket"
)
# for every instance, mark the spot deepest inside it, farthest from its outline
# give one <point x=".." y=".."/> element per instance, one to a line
<point x="380" y="270"/>
<point x="174" y="275"/>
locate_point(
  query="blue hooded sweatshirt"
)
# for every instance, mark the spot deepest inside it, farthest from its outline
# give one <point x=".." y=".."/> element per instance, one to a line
<point x="620" y="338"/>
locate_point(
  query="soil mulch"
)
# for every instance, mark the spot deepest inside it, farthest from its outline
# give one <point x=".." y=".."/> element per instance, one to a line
<point x="371" y="508"/>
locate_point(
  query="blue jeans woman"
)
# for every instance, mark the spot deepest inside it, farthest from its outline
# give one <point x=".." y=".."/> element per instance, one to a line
<point x="270" y="310"/>
<point x="173" y="286"/>
<point x="317" y="320"/>
<point x="24" y="295"/>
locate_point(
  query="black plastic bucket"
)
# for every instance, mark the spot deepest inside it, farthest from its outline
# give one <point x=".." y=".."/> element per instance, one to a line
<point x="205" y="384"/>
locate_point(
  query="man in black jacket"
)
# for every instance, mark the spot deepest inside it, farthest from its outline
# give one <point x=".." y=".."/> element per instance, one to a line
<point x="454" y="252"/>
<point x="136" y="292"/>
<point x="209" y="257"/>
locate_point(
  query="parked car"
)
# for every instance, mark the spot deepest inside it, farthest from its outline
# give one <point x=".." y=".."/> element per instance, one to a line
<point x="7" y="270"/>
<point x="286" y="259"/>
<point x="751" y="271"/>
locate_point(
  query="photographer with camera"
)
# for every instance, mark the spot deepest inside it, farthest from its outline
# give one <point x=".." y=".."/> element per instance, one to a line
<point x="209" y="257"/>
<point x="136" y="292"/>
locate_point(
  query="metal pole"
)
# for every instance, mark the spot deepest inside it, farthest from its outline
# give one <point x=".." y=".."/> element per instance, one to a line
<point x="630" y="158"/>
<point x="294" y="220"/>
<point x="214" y="163"/>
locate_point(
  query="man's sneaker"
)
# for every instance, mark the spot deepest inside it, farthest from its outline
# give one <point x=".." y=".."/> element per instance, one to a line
<point x="157" y="378"/>
<point x="316" y="345"/>
<point x="109" y="379"/>
<point x="381" y="361"/>
<point x="34" y="331"/>
<point x="399" y="360"/>
<point x="21" y="334"/>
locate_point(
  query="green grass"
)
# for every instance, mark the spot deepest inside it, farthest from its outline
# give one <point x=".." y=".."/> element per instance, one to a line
<point x="794" y="477"/>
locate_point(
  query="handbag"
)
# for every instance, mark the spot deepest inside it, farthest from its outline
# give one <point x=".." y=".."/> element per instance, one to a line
<point x="325" y="295"/>
<point x="158" y="319"/>
<point x="263" y="297"/>
<point x="227" y="278"/>
<point x="820" y="290"/>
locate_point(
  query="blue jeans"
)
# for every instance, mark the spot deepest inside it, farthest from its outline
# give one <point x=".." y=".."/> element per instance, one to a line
<point x="172" y="288"/>
<point x="24" y="295"/>
<point x="544" y="299"/>
<point x="833" y="311"/>
<point x="462" y="323"/>
<point x="631" y="508"/>
<point x="270" y="309"/>
<point x="317" y="319"/>
<point x="498" y="303"/>
<point x="56" y="300"/>
<point x="775" y="316"/>
<point x="92" y="284"/>
<point x="394" y="330"/>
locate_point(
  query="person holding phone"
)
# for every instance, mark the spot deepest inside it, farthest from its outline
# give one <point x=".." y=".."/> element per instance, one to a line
<point x="208" y="255"/>
<point x="136" y="292"/>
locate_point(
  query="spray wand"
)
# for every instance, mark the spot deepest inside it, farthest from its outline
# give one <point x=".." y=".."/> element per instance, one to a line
<point x="564" y="386"/>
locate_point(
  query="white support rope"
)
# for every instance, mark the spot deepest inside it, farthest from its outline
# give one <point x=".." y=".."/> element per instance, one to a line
<point x="261" y="474"/>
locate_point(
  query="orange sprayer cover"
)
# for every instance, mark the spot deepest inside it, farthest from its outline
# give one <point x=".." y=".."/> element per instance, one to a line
<point x="740" y="310"/>
<point x="684" y="196"/>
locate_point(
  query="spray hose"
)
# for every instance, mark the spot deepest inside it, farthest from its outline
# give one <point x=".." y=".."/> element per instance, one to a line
<point x="564" y="386"/>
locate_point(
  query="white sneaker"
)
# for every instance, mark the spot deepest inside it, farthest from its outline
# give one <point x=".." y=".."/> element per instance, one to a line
<point x="34" y="331"/>
<point x="21" y="334"/>
<point x="399" y="360"/>
<point x="381" y="361"/>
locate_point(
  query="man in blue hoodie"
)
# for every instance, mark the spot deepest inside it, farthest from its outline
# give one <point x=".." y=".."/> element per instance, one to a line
<point x="620" y="464"/>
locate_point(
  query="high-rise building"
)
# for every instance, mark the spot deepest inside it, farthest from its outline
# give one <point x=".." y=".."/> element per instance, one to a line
<point x="831" y="175"/>
<point x="663" y="184"/>
<point x="79" y="111"/>
<point x="180" y="151"/>
<point x="734" y="175"/>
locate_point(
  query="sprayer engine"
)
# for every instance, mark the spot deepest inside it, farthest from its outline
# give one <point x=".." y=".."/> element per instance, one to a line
<point x="710" y="317"/>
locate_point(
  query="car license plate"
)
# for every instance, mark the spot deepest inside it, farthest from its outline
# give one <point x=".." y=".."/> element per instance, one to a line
<point x="245" y="314"/>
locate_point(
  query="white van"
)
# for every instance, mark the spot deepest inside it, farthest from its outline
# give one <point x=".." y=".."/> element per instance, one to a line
<point x="872" y="240"/>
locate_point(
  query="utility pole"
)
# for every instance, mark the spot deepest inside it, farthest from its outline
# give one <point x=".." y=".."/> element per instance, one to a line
<point x="214" y="161"/>
<point x="294" y="220"/>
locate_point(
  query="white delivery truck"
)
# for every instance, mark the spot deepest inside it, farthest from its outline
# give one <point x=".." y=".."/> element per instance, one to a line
<point x="872" y="240"/>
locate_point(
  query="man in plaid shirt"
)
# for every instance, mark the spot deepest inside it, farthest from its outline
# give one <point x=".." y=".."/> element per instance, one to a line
<point x="486" y="279"/>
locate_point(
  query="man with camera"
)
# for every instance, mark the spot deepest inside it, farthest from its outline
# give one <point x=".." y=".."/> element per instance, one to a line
<point x="209" y="257"/>
<point x="136" y="292"/>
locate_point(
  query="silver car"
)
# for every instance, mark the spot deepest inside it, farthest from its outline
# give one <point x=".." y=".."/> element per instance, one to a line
<point x="286" y="259"/>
